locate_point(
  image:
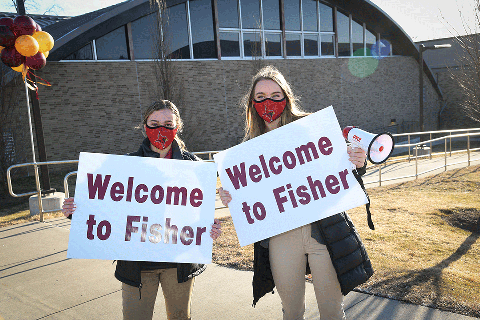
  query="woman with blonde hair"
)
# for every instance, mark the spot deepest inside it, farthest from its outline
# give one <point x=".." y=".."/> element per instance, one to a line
<point x="140" y="279"/>
<point x="329" y="249"/>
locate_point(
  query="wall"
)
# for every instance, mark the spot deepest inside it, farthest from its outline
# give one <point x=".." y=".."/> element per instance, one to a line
<point x="94" y="106"/>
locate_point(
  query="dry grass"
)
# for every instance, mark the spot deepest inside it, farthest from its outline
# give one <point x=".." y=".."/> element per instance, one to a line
<point x="425" y="247"/>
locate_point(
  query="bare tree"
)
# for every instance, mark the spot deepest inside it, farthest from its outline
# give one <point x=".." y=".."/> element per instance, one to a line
<point x="467" y="74"/>
<point x="168" y="82"/>
<point x="32" y="6"/>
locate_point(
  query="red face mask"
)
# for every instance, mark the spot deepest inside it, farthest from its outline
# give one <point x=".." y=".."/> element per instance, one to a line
<point x="161" y="137"/>
<point x="270" y="109"/>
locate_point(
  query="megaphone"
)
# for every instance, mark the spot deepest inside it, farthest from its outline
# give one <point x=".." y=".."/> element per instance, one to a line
<point x="378" y="147"/>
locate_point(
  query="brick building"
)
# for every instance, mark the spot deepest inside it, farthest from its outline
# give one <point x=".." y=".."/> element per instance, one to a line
<point x="348" y="54"/>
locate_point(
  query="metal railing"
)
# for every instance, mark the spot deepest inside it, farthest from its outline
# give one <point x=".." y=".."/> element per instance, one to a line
<point x="210" y="154"/>
<point x="417" y="148"/>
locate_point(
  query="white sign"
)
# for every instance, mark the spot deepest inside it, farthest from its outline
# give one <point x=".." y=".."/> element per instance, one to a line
<point x="143" y="209"/>
<point x="289" y="177"/>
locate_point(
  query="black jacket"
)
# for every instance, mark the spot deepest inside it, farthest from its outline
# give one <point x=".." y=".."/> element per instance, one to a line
<point x="129" y="271"/>
<point x="346" y="250"/>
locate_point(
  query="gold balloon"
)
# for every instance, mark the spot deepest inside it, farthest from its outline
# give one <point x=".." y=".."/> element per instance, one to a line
<point x="45" y="41"/>
<point x="46" y="53"/>
<point x="26" y="45"/>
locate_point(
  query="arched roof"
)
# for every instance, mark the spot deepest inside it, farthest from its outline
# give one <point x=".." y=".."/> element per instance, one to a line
<point x="71" y="34"/>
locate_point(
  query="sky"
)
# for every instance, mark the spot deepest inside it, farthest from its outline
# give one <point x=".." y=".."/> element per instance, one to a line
<point x="420" y="19"/>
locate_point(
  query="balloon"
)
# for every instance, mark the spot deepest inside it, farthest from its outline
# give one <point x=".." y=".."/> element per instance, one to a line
<point x="26" y="45"/>
<point x="1" y="48"/>
<point x="19" y="68"/>
<point x="7" y="38"/>
<point x="11" y="57"/>
<point x="6" y="22"/>
<point x="37" y="27"/>
<point x="36" y="62"/>
<point x="23" y="25"/>
<point x="46" y="53"/>
<point x="45" y="41"/>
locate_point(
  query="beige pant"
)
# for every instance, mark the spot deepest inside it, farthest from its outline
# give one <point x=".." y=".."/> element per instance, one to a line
<point x="289" y="252"/>
<point x="178" y="296"/>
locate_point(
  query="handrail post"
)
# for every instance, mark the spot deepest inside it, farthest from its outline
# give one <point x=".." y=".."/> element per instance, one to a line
<point x="468" y="149"/>
<point x="416" y="163"/>
<point x="379" y="175"/>
<point x="450" y="143"/>
<point x="446" y="154"/>
<point x="408" y="147"/>
<point x="431" y="150"/>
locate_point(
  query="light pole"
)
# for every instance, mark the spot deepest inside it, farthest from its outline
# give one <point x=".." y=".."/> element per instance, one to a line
<point x="421" y="49"/>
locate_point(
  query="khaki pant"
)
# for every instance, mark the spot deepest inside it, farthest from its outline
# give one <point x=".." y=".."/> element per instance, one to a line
<point x="178" y="296"/>
<point x="289" y="252"/>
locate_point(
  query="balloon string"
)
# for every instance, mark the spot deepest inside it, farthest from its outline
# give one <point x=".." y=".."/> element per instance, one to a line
<point x="32" y="85"/>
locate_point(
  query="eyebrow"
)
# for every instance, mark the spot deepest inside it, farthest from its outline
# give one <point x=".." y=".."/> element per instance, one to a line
<point x="264" y="92"/>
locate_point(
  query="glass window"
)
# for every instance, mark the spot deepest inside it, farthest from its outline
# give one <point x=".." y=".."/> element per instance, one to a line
<point x="201" y="20"/>
<point x="310" y="45"/>
<point x="293" y="45"/>
<point x="328" y="49"/>
<point x="271" y="14"/>
<point x="310" y="21"/>
<point x="85" y="53"/>
<point x="112" y="46"/>
<point x="292" y="15"/>
<point x="228" y="13"/>
<point x="343" y="35"/>
<point x="176" y="34"/>
<point x="357" y="39"/>
<point x="252" y="45"/>
<point x="326" y="17"/>
<point x="250" y="14"/>
<point x="229" y="44"/>
<point x="370" y="41"/>
<point x="143" y="34"/>
<point x="273" y="44"/>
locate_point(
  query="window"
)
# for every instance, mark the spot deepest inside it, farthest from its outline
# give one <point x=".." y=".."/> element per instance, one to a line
<point x="229" y="44"/>
<point x="112" y="46"/>
<point x="85" y="53"/>
<point x="250" y="14"/>
<point x="252" y="45"/>
<point x="202" y="29"/>
<point x="343" y="27"/>
<point x="273" y="44"/>
<point x="143" y="37"/>
<point x="326" y="18"/>
<point x="370" y="41"/>
<point x="271" y="14"/>
<point x="228" y="13"/>
<point x="310" y="16"/>
<point x="177" y="33"/>
<point x="311" y="45"/>
<point x="292" y="15"/>
<point x="357" y="39"/>
<point x="293" y="45"/>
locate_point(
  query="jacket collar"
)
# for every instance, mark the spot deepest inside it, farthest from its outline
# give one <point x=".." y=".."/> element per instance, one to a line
<point x="146" y="151"/>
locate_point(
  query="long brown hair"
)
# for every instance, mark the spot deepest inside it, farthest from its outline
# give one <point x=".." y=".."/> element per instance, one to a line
<point x="161" y="105"/>
<point x="254" y="124"/>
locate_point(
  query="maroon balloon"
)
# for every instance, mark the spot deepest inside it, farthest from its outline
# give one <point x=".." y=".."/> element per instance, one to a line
<point x="7" y="38"/>
<point x="11" y="57"/>
<point x="6" y="22"/>
<point x="23" y="25"/>
<point x="36" y="62"/>
<point x="37" y="27"/>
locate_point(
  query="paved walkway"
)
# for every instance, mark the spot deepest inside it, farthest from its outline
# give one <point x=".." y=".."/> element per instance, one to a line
<point x="37" y="281"/>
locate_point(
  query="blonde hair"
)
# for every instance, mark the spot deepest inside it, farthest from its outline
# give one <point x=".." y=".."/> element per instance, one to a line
<point x="254" y="124"/>
<point x="161" y="105"/>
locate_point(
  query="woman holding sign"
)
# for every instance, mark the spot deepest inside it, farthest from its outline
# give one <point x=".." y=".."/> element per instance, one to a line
<point x="140" y="279"/>
<point x="283" y="260"/>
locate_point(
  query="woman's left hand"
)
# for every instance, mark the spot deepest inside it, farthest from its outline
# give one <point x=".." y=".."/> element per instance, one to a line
<point x="357" y="156"/>
<point x="216" y="229"/>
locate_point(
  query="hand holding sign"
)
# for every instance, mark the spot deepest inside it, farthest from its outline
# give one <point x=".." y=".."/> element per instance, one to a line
<point x="278" y="187"/>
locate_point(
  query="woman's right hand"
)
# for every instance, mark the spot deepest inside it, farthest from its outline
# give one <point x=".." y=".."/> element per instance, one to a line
<point x="68" y="207"/>
<point x="224" y="196"/>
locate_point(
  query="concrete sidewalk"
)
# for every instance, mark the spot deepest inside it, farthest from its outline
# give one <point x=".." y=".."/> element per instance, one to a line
<point x="37" y="281"/>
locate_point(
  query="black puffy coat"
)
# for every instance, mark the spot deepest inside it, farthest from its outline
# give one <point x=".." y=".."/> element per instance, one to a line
<point x="346" y="249"/>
